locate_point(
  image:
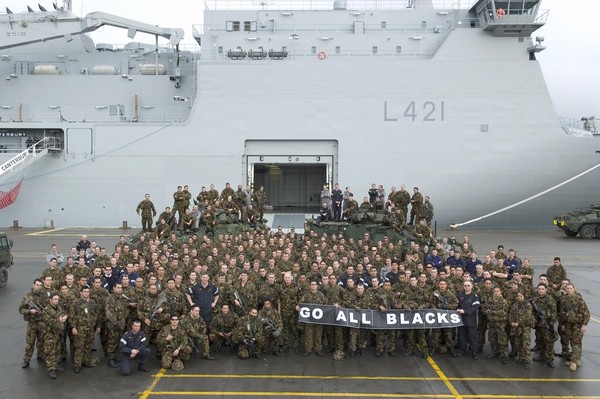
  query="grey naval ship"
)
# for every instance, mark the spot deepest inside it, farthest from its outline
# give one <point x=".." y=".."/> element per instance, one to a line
<point x="442" y="95"/>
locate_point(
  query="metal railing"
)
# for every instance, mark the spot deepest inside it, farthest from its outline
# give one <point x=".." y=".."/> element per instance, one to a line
<point x="328" y="4"/>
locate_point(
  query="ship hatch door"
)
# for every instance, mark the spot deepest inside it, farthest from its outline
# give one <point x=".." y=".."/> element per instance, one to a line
<point x="291" y="188"/>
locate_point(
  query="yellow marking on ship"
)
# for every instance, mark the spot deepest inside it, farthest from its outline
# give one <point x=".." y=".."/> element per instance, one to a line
<point x="376" y="378"/>
<point x="443" y="377"/>
<point x="300" y="394"/>
<point x="155" y="381"/>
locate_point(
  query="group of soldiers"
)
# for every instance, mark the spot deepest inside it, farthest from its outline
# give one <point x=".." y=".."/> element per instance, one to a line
<point x="341" y="206"/>
<point x="243" y="292"/>
<point x="240" y="206"/>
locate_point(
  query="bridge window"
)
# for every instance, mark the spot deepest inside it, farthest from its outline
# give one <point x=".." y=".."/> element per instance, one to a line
<point x="233" y="26"/>
<point x="374" y="49"/>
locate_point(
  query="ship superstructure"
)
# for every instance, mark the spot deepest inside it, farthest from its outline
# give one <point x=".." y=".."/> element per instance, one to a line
<point x="428" y="94"/>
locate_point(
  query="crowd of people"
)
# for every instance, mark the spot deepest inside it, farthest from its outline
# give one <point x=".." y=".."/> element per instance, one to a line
<point x="243" y="293"/>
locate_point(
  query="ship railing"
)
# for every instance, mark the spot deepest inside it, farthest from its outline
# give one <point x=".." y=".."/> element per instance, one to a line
<point x="584" y="127"/>
<point x="328" y="4"/>
<point x="47" y="144"/>
<point x="283" y="29"/>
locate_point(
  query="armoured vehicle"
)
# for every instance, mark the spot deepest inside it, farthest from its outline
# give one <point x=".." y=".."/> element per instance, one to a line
<point x="583" y="221"/>
<point x="6" y="259"/>
<point x="369" y="222"/>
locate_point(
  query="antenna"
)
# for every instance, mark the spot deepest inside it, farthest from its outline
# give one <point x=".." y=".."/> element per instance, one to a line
<point x="263" y="3"/>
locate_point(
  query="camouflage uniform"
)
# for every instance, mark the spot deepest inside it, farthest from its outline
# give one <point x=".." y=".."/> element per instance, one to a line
<point x="177" y="303"/>
<point x="556" y="273"/>
<point x="250" y="336"/>
<point x="249" y="297"/>
<point x="148" y="212"/>
<point x="195" y="328"/>
<point x="313" y="332"/>
<point x="99" y="297"/>
<point x="403" y="201"/>
<point x="545" y="306"/>
<point x="358" y="337"/>
<point x="116" y="316"/>
<point x="445" y="300"/>
<point x="522" y="313"/>
<point x="388" y="300"/>
<point x="167" y="347"/>
<point x="223" y="324"/>
<point x="55" y="330"/>
<point x="574" y="314"/>
<point x="485" y="295"/>
<point x="83" y="317"/>
<point x="290" y="297"/>
<point x="417" y="203"/>
<point x="417" y="339"/>
<point x="35" y="328"/>
<point x="274" y="316"/>
<point x="146" y="307"/>
<point x="496" y="311"/>
<point x="335" y="334"/>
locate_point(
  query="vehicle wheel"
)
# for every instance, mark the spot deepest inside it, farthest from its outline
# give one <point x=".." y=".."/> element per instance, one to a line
<point x="598" y="231"/>
<point x="570" y="233"/>
<point x="587" y="231"/>
<point x="3" y="276"/>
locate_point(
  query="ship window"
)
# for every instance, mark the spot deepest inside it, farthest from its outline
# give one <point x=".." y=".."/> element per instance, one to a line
<point x="398" y="49"/>
<point x="232" y="26"/>
<point x="383" y="24"/>
<point x="313" y="50"/>
<point x="220" y="49"/>
<point x="423" y="24"/>
<point x="249" y="26"/>
<point x="338" y="49"/>
<point x="374" y="49"/>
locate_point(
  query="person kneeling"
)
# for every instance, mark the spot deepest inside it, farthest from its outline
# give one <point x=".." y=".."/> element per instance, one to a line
<point x="134" y="346"/>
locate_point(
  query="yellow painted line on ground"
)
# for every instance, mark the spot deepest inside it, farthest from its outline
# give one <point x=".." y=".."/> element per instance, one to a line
<point x="44" y="232"/>
<point x="157" y="378"/>
<point x="445" y="379"/>
<point x="299" y="394"/>
<point x="376" y="378"/>
<point x="529" y="397"/>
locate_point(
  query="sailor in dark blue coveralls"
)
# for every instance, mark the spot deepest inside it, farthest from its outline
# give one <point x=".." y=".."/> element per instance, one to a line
<point x="134" y="346"/>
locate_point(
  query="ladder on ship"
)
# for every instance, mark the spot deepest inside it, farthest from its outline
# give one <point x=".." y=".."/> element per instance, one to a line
<point x="14" y="168"/>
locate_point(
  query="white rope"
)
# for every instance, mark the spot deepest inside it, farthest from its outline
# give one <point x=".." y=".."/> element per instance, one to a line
<point x="454" y="226"/>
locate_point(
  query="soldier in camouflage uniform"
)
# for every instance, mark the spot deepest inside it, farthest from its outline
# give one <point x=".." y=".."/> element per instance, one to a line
<point x="148" y="212"/>
<point x="177" y="304"/>
<point x="443" y="299"/>
<point x="250" y="335"/>
<point x="385" y="300"/>
<point x="416" y="203"/>
<point x="116" y="318"/>
<point x="556" y="274"/>
<point x="153" y="312"/>
<point x="545" y="313"/>
<point x="195" y="328"/>
<point x="416" y="300"/>
<point x="247" y="293"/>
<point x="521" y="321"/>
<point x="271" y="319"/>
<point x="496" y="311"/>
<point x="290" y="297"/>
<point x="358" y="337"/>
<point x="222" y="327"/>
<point x="403" y="200"/>
<point x="350" y="212"/>
<point x="574" y="316"/>
<point x="83" y="323"/>
<point x="261" y="199"/>
<point x="31" y="308"/>
<point x="485" y="294"/>
<point x="173" y="343"/>
<point x="313" y="332"/>
<point x="334" y="295"/>
<point x="53" y="319"/>
<point x="99" y="295"/>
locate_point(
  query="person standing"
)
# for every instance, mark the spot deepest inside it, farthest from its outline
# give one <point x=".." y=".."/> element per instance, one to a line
<point x="117" y="311"/>
<point x="83" y="323"/>
<point x="54" y="319"/>
<point x="545" y="309"/>
<point x="314" y="332"/>
<point x="428" y="211"/>
<point x="134" y="346"/>
<point x="521" y="320"/>
<point x="205" y="295"/>
<point x="496" y="311"/>
<point x="148" y="212"/>
<point x="337" y="198"/>
<point x="416" y="206"/>
<point x="468" y="305"/>
<point x="31" y="308"/>
<point x="574" y="316"/>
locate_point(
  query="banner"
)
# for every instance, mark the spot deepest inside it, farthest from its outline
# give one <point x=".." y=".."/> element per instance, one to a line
<point x="393" y="319"/>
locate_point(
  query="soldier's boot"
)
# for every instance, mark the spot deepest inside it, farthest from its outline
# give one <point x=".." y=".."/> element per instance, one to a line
<point x="550" y="363"/>
<point x="52" y="374"/>
<point x="573" y="366"/>
<point x="352" y="353"/>
<point x="503" y="359"/>
<point x="25" y="364"/>
<point x="112" y="363"/>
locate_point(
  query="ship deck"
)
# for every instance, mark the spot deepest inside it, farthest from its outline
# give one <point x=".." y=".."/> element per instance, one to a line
<point x="439" y="376"/>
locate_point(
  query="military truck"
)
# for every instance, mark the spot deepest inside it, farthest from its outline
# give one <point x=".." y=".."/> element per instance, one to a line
<point x="6" y="259"/>
<point x="584" y="221"/>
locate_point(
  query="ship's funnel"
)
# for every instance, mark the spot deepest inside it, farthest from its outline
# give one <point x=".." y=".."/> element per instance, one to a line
<point x="340" y="5"/>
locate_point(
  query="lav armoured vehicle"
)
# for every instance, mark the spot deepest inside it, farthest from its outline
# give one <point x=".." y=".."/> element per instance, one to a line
<point x="368" y="222"/>
<point x="6" y="259"/>
<point x="584" y="221"/>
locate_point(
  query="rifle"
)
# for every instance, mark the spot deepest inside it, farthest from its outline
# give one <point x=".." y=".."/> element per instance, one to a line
<point x="443" y="301"/>
<point x="539" y="315"/>
<point x="33" y="305"/>
<point x="238" y="297"/>
<point x="162" y="298"/>
<point x="193" y="345"/>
